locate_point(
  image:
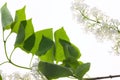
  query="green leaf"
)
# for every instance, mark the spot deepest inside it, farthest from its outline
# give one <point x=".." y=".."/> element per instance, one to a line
<point x="25" y="35"/>
<point x="6" y="17"/>
<point x="49" y="56"/>
<point x="29" y="29"/>
<point x="60" y="34"/>
<point x="38" y="35"/>
<point x="46" y="50"/>
<point x="29" y="43"/>
<point x="53" y="71"/>
<point x="49" y="51"/>
<point x="19" y="16"/>
<point x="0" y="77"/>
<point x="21" y="34"/>
<point x="70" y="51"/>
<point x="72" y="64"/>
<point x="81" y="70"/>
<point x="44" y="46"/>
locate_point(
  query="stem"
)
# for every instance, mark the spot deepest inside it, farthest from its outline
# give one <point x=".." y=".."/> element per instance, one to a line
<point x="89" y="18"/>
<point x="4" y="41"/>
<point x="12" y="53"/>
<point x="16" y="64"/>
<point x="4" y="62"/>
<point x="8" y="36"/>
<point x="19" y="65"/>
<point x="9" y="59"/>
<point x="104" y="77"/>
<point x="5" y="50"/>
<point x="31" y="60"/>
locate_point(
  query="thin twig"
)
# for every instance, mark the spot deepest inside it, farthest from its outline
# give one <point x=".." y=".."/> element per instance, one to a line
<point x="12" y="53"/>
<point x="4" y="62"/>
<point x="31" y="60"/>
<point x="104" y="77"/>
<point x="88" y="17"/>
<point x="19" y="66"/>
<point x="8" y="36"/>
<point x="4" y="41"/>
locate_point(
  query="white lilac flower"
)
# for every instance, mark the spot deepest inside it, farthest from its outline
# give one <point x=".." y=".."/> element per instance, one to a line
<point x="96" y="15"/>
<point x="116" y="48"/>
<point x="33" y="76"/>
<point x="27" y="76"/>
<point x="80" y="9"/>
<point x="96" y="22"/>
<point x="13" y="76"/>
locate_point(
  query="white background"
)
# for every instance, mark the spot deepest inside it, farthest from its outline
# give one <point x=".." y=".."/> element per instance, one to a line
<point x="57" y="13"/>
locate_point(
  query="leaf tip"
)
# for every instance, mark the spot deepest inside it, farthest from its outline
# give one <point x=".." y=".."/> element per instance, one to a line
<point x="24" y="7"/>
<point x="5" y="5"/>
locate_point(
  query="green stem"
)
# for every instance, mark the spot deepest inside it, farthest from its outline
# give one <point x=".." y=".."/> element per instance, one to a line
<point x="31" y="60"/>
<point x="4" y="62"/>
<point x="9" y="59"/>
<point x="12" y="53"/>
<point x="19" y="65"/>
<point x="14" y="63"/>
<point x="89" y="18"/>
<point x="8" y="36"/>
<point x="4" y="41"/>
<point x="5" y="50"/>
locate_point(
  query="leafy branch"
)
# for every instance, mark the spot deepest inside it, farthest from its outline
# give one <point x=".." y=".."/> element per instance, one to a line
<point x="50" y="47"/>
<point x="9" y="59"/>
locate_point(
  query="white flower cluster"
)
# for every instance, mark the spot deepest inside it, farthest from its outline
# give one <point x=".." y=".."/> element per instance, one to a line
<point x="96" y="22"/>
<point x="34" y="74"/>
<point x="27" y="76"/>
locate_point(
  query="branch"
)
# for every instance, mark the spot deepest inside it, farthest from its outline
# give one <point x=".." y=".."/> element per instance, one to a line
<point x="104" y="77"/>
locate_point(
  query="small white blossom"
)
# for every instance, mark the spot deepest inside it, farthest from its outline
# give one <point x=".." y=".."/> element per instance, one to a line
<point x="96" y="14"/>
<point x="35" y="72"/>
<point x="80" y="9"/>
<point x="33" y="76"/>
<point x="116" y="48"/>
<point x="13" y="76"/>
